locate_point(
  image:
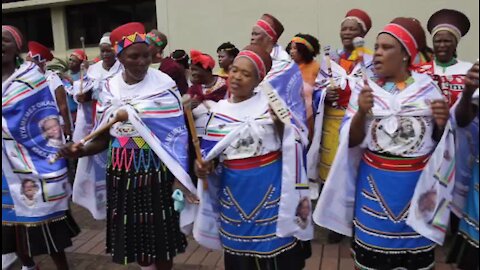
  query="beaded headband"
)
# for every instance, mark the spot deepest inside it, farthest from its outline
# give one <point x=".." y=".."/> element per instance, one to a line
<point x="155" y="39"/>
<point x="304" y="42"/>
<point x="257" y="62"/>
<point x="129" y="40"/>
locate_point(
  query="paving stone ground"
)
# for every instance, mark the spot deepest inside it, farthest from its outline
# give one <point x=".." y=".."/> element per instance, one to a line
<point x="88" y="252"/>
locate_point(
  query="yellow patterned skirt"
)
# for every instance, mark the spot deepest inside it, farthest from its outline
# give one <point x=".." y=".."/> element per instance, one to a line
<point x="330" y="139"/>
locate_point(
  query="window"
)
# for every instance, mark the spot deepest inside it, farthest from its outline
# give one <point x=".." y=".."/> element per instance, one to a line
<point x="35" y="25"/>
<point x="92" y="20"/>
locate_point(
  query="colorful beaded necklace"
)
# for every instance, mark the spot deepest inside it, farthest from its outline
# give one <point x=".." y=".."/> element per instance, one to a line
<point x="392" y="87"/>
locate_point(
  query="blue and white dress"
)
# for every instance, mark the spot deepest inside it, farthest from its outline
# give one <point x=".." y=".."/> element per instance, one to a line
<point x="382" y="186"/>
<point x="256" y="222"/>
<point x="464" y="252"/>
<point x="35" y="194"/>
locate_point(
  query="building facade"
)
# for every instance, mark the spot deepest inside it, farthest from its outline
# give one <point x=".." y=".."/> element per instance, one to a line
<point x="205" y="24"/>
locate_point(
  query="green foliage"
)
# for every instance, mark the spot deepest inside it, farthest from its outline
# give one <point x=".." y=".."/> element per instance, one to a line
<point x="58" y="65"/>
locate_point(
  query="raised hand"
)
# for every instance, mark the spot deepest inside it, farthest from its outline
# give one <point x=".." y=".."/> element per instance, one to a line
<point x="332" y="94"/>
<point x="365" y="100"/>
<point x="203" y="169"/>
<point x="279" y="125"/>
<point x="471" y="80"/>
<point x="84" y="65"/>
<point x="71" y="150"/>
<point x="441" y="112"/>
<point x="195" y="103"/>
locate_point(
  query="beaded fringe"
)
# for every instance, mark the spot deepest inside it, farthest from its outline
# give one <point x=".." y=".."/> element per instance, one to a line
<point x="132" y="172"/>
<point x="261" y="256"/>
<point x="406" y="251"/>
<point x="34" y="224"/>
<point x="469" y="239"/>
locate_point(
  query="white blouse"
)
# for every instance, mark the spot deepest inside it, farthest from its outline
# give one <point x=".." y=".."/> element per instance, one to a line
<point x="402" y="123"/>
<point x="154" y="83"/>
<point x="260" y="138"/>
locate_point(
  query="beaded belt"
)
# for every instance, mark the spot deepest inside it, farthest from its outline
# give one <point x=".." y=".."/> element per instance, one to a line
<point x="253" y="162"/>
<point x="132" y="153"/>
<point x="130" y="143"/>
<point x="395" y="163"/>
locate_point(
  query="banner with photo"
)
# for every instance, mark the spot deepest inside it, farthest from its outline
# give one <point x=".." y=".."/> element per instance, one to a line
<point x="157" y="115"/>
<point x="31" y="134"/>
<point x="286" y="79"/>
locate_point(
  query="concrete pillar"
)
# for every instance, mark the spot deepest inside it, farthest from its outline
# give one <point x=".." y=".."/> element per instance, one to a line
<point x="59" y="29"/>
<point x="162" y="20"/>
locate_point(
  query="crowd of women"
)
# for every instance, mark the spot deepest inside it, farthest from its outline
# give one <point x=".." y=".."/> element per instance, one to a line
<point x="385" y="141"/>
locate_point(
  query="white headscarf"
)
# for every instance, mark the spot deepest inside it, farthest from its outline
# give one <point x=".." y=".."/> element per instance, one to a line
<point x="105" y="39"/>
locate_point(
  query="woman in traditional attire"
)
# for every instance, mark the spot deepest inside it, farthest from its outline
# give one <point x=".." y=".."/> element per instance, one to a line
<point x="97" y="75"/>
<point x="76" y="61"/>
<point x="226" y="54"/>
<point x="357" y="23"/>
<point x="182" y="58"/>
<point x="396" y="184"/>
<point x="447" y="27"/>
<point x="464" y="252"/>
<point x="40" y="55"/>
<point x="260" y="183"/>
<point x="285" y="76"/>
<point x="104" y="69"/>
<point x="206" y="86"/>
<point x="331" y="101"/>
<point x="303" y="49"/>
<point x="146" y="154"/>
<point x="158" y="43"/>
<point x="85" y="91"/>
<point x="35" y="220"/>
